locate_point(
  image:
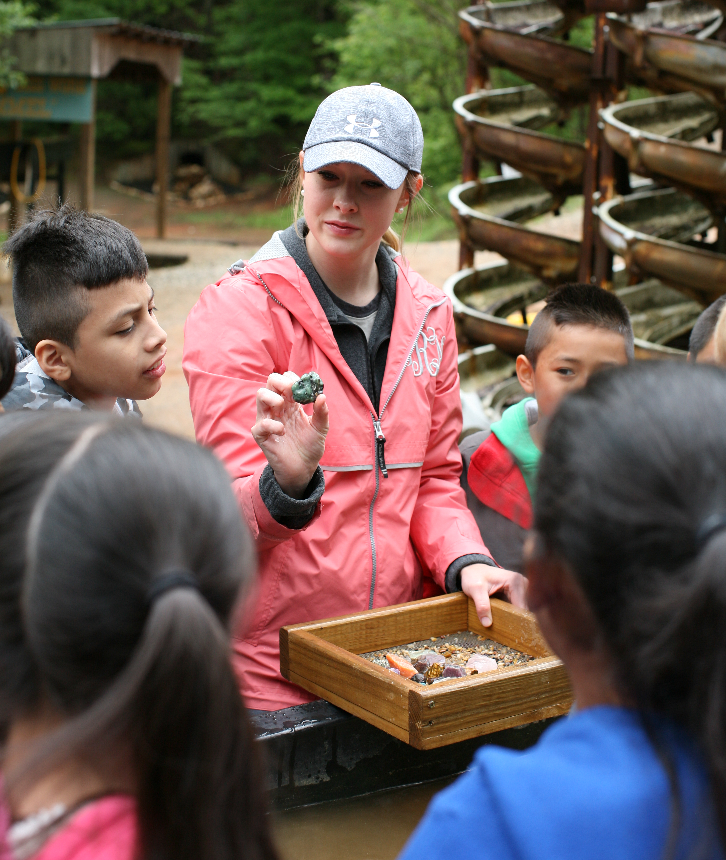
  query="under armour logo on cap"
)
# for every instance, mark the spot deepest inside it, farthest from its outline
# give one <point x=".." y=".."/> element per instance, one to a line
<point x="354" y="124"/>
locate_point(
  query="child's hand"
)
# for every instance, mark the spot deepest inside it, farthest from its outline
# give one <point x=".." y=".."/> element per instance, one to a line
<point x="478" y="581"/>
<point x="292" y="442"/>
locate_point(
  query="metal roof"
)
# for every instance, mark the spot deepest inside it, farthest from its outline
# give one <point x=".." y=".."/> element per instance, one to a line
<point x="119" y="27"/>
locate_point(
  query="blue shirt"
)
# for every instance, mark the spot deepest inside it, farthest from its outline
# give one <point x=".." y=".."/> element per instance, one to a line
<point x="592" y="788"/>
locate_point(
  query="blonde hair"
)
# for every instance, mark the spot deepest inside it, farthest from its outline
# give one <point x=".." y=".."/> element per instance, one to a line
<point x="294" y="180"/>
<point x="719" y="338"/>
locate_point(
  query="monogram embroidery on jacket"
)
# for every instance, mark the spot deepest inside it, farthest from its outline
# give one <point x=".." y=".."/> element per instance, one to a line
<point x="421" y="349"/>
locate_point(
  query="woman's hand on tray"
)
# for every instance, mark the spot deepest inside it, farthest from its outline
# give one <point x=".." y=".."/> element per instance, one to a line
<point x="478" y="581"/>
<point x="292" y="441"/>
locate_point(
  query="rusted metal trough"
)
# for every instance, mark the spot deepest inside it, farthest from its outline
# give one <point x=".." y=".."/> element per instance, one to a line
<point x="486" y="226"/>
<point x="484" y="298"/>
<point x="490" y="120"/>
<point x="655" y="135"/>
<point x="522" y="16"/>
<point x="561" y="69"/>
<point x="672" y="62"/>
<point x="488" y="375"/>
<point x="649" y="230"/>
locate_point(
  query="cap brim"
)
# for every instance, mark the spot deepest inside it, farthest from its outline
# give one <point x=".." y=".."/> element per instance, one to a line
<point x="390" y="172"/>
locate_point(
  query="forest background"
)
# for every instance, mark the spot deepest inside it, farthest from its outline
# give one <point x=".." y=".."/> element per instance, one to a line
<point x="253" y="82"/>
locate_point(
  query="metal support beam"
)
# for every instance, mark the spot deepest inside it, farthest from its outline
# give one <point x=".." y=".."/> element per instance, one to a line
<point x="163" y="132"/>
<point x="477" y="78"/>
<point x="605" y="81"/>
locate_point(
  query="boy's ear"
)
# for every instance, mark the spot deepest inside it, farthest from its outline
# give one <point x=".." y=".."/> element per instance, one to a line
<point x="52" y="357"/>
<point x="525" y="373"/>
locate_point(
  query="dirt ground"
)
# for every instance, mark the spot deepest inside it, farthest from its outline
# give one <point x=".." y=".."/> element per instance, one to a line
<point x="215" y="244"/>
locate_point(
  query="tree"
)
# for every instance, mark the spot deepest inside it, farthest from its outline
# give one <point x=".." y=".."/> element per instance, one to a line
<point x="251" y="86"/>
<point x="13" y="16"/>
<point x="258" y="89"/>
<point x="413" y="47"/>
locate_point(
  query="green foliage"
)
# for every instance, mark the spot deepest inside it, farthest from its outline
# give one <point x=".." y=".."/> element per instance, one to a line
<point x="252" y="85"/>
<point x="259" y="88"/>
<point x="13" y="15"/>
<point x="413" y="47"/>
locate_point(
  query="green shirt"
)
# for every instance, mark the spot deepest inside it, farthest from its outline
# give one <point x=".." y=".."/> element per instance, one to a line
<point x="512" y="430"/>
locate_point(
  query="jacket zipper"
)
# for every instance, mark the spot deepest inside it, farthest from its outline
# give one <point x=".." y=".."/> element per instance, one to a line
<point x="380" y="456"/>
<point x="379" y="438"/>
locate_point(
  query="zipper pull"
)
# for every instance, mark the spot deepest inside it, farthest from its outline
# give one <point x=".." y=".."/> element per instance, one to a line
<point x="380" y="442"/>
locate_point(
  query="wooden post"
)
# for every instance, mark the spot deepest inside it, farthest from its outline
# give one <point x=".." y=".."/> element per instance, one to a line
<point x="16" y="135"/>
<point x="613" y="168"/>
<point x="88" y="155"/>
<point x="163" y="131"/>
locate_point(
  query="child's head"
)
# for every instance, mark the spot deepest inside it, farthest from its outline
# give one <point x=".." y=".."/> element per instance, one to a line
<point x="719" y="339"/>
<point x="84" y="308"/>
<point x="628" y="558"/>
<point x="124" y="555"/>
<point x="702" y="344"/>
<point x="7" y="359"/>
<point x="360" y="164"/>
<point x="581" y="329"/>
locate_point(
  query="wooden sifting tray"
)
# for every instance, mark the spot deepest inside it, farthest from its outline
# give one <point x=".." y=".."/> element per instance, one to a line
<point x="323" y="658"/>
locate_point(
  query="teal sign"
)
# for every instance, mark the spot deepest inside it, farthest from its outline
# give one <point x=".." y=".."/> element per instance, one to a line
<point x="50" y="99"/>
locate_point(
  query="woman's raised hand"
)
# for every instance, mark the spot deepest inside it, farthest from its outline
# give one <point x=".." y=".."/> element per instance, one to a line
<point x="292" y="442"/>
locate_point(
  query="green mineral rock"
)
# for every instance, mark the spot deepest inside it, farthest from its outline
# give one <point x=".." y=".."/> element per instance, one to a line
<point x="307" y="388"/>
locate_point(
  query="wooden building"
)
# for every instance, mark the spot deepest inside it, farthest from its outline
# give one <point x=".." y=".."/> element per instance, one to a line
<point x="63" y="62"/>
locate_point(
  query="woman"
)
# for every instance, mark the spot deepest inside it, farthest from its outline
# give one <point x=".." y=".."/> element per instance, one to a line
<point x="351" y="507"/>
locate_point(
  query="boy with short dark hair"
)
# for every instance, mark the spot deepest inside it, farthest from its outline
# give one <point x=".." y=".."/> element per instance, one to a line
<point x="90" y="339"/>
<point x="581" y="329"/>
<point x="702" y="345"/>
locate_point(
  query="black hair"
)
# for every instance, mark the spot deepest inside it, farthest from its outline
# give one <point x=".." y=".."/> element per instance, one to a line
<point x="59" y="255"/>
<point x="578" y="304"/>
<point x="633" y="467"/>
<point x="93" y="512"/>
<point x="704" y="328"/>
<point x="8" y="359"/>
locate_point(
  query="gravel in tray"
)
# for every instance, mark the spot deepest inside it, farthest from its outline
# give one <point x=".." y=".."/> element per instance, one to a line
<point x="456" y="648"/>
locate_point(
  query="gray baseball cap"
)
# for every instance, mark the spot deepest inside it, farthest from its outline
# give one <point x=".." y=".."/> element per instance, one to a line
<point x="371" y="126"/>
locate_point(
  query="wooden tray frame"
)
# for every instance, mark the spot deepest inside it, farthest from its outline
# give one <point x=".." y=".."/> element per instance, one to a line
<point x="323" y="658"/>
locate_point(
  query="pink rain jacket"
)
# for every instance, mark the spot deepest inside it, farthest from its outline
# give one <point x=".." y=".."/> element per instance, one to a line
<point x="371" y="537"/>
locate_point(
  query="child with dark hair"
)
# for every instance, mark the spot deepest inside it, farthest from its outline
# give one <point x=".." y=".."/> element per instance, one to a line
<point x="90" y="338"/>
<point x="8" y="360"/>
<point x="581" y="329"/>
<point x="125" y="736"/>
<point x="702" y="343"/>
<point x="627" y="578"/>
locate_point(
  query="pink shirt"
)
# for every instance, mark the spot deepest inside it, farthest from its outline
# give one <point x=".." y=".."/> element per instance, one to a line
<point x="103" y="830"/>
